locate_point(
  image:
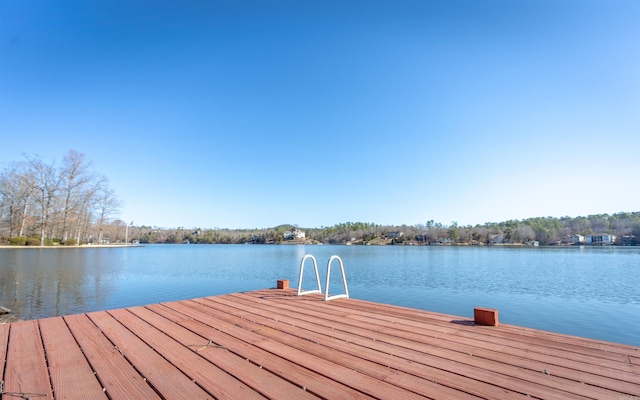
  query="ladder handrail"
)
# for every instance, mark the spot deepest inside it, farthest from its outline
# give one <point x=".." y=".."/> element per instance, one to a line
<point x="344" y="280"/>
<point x="315" y="267"/>
<point x="326" y="288"/>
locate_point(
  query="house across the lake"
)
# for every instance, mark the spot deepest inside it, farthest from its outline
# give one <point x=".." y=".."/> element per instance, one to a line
<point x="394" y="235"/>
<point x="577" y="238"/>
<point x="600" y="239"/>
<point x="295" y="234"/>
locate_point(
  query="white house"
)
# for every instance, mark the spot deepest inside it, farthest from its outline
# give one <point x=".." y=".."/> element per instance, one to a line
<point x="600" y="238"/>
<point x="577" y="238"/>
<point x="296" y="234"/>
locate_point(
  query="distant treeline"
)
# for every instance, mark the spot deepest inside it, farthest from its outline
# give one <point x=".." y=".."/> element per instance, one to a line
<point x="69" y="203"/>
<point x="544" y="230"/>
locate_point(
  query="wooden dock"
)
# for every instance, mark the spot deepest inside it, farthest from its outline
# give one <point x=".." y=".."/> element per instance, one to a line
<point x="274" y="344"/>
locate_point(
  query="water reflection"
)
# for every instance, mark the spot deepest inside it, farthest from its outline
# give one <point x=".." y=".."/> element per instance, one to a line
<point x="60" y="281"/>
<point x="558" y="289"/>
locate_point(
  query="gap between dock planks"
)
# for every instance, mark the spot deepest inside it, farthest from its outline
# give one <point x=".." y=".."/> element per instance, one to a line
<point x="274" y="344"/>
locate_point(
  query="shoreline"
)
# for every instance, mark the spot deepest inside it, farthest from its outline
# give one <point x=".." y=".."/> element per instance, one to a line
<point x="92" y="246"/>
<point x="292" y="243"/>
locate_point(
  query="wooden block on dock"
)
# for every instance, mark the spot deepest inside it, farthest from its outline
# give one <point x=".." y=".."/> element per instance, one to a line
<point x="485" y="316"/>
<point x="283" y="284"/>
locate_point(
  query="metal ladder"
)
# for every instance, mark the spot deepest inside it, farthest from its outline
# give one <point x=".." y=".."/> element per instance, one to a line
<point x="326" y="288"/>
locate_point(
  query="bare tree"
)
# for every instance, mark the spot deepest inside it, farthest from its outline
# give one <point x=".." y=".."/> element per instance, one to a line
<point x="525" y="233"/>
<point x="88" y="205"/>
<point x="106" y="205"/>
<point x="58" y="202"/>
<point x="16" y="196"/>
<point x="75" y="181"/>
<point x="46" y="186"/>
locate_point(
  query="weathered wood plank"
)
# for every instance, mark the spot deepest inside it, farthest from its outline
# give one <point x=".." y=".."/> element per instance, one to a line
<point x="592" y="360"/>
<point x="164" y="377"/>
<point x="609" y="349"/>
<point x="260" y="379"/>
<point x="521" y="358"/>
<point x="71" y="374"/>
<point x="207" y="375"/>
<point x="482" y="338"/>
<point x="204" y="325"/>
<point x="347" y="376"/>
<point x="375" y="375"/>
<point x="484" y="377"/>
<point x="4" y="342"/>
<point x="306" y="337"/>
<point x="117" y="376"/>
<point x="26" y="372"/>
<point x="458" y="353"/>
<point x="273" y="344"/>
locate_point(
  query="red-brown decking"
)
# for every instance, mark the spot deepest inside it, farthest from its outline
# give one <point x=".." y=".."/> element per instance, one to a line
<point x="273" y="344"/>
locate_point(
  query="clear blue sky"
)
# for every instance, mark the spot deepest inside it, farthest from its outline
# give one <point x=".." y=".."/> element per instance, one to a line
<point x="251" y="114"/>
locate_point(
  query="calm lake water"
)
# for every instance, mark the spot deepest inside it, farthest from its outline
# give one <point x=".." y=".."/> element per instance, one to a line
<point x="591" y="292"/>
